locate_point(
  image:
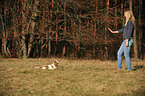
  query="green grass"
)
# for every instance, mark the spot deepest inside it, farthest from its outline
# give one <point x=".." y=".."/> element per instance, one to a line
<point x="72" y="78"/>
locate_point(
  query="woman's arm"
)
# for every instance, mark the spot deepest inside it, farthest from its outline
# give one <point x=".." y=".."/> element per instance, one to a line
<point x="112" y="31"/>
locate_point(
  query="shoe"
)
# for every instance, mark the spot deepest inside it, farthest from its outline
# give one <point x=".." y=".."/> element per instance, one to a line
<point x="117" y="69"/>
<point x="128" y="70"/>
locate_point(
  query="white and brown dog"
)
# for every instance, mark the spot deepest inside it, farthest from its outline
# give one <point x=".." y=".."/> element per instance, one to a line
<point x="54" y="65"/>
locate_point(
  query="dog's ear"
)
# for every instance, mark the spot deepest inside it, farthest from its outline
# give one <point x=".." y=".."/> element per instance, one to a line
<point x="56" y="61"/>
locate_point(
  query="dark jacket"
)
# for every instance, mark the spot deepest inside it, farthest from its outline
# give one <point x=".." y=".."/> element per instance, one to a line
<point x="127" y="30"/>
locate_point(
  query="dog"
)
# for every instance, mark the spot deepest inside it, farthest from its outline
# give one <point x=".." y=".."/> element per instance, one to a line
<point x="54" y="65"/>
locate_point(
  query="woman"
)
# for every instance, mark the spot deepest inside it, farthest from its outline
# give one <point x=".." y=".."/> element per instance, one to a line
<point x="127" y="31"/>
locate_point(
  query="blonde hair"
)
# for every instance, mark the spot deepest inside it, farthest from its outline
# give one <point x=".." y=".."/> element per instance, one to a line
<point x="129" y="16"/>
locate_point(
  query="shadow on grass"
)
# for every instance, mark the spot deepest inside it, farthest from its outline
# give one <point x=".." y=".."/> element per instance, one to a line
<point x="139" y="92"/>
<point x="137" y="67"/>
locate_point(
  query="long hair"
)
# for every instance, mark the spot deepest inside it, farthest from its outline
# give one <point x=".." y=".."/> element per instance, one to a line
<point x="129" y="16"/>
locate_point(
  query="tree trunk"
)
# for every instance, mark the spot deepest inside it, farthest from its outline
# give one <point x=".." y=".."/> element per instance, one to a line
<point x="106" y="46"/>
<point x="135" y="36"/>
<point x="140" y="31"/>
<point x="79" y="39"/>
<point x="49" y="48"/>
<point x="116" y="14"/>
<point x="16" y="37"/>
<point x="94" y="42"/>
<point x="50" y="30"/>
<point x="23" y="29"/>
<point x="5" y="36"/>
<point x="34" y="14"/>
<point x="63" y="51"/>
<point x="95" y="25"/>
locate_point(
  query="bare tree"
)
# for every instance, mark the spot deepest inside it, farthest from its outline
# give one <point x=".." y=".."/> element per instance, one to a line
<point x="76" y="25"/>
<point x="5" y="34"/>
<point x="106" y="46"/>
<point x="15" y="9"/>
<point x="140" y="31"/>
<point x="24" y="21"/>
<point x="32" y="18"/>
<point x="135" y="36"/>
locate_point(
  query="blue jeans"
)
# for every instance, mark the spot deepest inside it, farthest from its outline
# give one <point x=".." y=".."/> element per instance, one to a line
<point x="126" y="50"/>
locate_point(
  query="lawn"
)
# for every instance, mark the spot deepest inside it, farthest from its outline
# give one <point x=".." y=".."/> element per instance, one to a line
<point x="72" y="78"/>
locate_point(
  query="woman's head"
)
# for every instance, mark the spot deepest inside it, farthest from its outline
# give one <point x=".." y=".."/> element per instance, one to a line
<point x="128" y="14"/>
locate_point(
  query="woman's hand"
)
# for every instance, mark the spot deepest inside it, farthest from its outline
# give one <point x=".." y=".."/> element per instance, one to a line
<point x="112" y="31"/>
<point x="127" y="43"/>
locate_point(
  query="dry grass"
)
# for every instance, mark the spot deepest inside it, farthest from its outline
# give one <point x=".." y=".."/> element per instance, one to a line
<point x="72" y="78"/>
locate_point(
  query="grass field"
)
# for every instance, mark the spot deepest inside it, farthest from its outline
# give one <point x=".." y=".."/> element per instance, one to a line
<point x="72" y="78"/>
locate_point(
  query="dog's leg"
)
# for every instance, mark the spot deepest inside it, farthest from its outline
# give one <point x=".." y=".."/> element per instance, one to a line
<point x="42" y="67"/>
<point x="37" y="67"/>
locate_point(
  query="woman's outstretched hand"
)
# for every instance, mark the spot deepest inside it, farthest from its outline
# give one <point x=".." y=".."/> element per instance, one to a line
<point x="110" y="30"/>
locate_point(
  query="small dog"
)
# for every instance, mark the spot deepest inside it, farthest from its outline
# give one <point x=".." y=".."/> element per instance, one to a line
<point x="54" y="65"/>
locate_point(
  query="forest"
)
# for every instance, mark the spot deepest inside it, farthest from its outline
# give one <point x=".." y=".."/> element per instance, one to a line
<point x="68" y="28"/>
